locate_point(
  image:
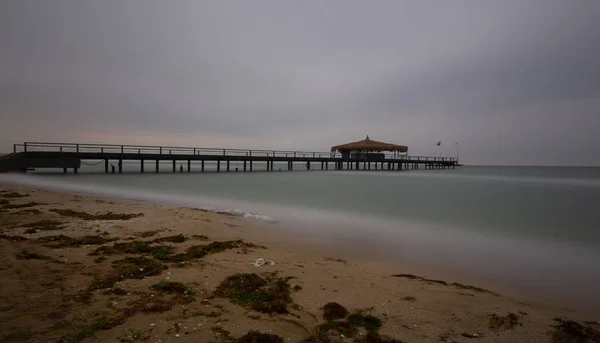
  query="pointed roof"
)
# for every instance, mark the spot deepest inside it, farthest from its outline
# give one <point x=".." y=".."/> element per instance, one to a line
<point x="369" y="145"/>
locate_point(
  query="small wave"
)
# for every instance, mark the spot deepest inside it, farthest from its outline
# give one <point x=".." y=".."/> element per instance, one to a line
<point x="238" y="213"/>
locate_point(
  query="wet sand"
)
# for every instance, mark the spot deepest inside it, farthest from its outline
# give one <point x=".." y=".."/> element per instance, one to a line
<point x="72" y="289"/>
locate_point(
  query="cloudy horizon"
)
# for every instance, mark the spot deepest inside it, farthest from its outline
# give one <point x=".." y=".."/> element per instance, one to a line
<point x="514" y="82"/>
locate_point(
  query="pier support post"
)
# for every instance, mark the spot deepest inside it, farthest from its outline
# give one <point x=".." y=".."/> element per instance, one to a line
<point x="174" y="167"/>
<point x="227" y="165"/>
<point x="357" y="165"/>
<point x="326" y="165"/>
<point x="189" y="166"/>
<point x="272" y="165"/>
<point x="106" y="166"/>
<point x="244" y="165"/>
<point x="65" y="170"/>
<point x="120" y="166"/>
<point x="157" y="169"/>
<point x="181" y="168"/>
<point x="250" y="165"/>
<point x="75" y="170"/>
<point x="141" y="166"/>
<point x="218" y="166"/>
<point x="203" y="166"/>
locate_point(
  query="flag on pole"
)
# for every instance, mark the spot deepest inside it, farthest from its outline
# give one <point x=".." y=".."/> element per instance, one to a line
<point x="439" y="143"/>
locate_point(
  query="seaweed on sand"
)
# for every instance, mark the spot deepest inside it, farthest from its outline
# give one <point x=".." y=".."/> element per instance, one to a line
<point x="101" y="216"/>
<point x="271" y="295"/>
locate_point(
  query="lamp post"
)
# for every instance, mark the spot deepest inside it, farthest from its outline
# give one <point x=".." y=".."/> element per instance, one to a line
<point x="456" y="143"/>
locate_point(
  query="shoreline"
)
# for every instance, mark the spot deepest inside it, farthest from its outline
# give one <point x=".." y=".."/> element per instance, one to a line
<point x="411" y="308"/>
<point x="314" y="227"/>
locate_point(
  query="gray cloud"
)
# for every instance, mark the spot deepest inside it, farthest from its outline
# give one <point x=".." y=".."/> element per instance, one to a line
<point x="506" y="79"/>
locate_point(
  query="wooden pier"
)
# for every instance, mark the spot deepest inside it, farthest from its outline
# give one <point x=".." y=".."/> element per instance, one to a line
<point x="70" y="156"/>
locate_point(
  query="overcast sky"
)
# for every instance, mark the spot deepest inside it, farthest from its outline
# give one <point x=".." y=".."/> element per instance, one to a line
<point x="513" y="81"/>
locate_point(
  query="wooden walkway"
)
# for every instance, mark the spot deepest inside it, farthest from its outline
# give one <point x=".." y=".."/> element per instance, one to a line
<point x="35" y="155"/>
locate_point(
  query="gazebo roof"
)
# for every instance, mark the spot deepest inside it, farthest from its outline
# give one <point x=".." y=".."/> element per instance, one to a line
<point x="369" y="145"/>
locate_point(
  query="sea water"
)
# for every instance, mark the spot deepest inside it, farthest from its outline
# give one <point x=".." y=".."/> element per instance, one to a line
<point x="533" y="228"/>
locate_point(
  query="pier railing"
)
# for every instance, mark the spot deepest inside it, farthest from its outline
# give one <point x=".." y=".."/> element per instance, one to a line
<point x="168" y="150"/>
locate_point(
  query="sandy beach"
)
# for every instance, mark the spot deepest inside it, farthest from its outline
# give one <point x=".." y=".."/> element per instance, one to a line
<point x="77" y="268"/>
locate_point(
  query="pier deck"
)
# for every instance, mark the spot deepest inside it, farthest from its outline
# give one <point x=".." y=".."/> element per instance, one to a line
<point x="35" y="155"/>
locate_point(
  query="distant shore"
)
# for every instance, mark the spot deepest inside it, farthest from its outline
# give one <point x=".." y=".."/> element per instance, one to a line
<point x="86" y="268"/>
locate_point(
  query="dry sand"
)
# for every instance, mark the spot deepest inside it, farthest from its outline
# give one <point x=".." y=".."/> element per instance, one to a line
<point x="49" y="299"/>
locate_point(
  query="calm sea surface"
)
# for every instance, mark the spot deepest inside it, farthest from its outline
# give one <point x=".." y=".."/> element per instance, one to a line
<point x="536" y="228"/>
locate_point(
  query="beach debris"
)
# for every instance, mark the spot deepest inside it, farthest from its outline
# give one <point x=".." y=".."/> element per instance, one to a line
<point x="572" y="331"/>
<point x="270" y="295"/>
<point x="441" y="282"/>
<point x="180" y="238"/>
<point x="14" y="195"/>
<point x="173" y="287"/>
<point x="348" y="328"/>
<point x="27" y="255"/>
<point x="128" y="268"/>
<point x="100" y="216"/>
<point x="25" y="205"/>
<point x="45" y="225"/>
<point x="62" y="241"/>
<point x="510" y="321"/>
<point x="340" y="260"/>
<point x="13" y="238"/>
<point x="199" y="251"/>
<point x="259" y="337"/>
<point x="333" y="310"/>
<point x="470" y="335"/>
<point x="261" y="261"/>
